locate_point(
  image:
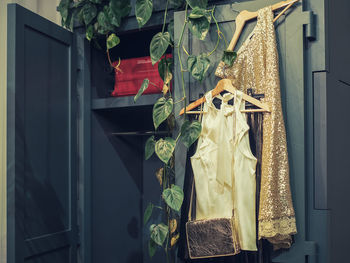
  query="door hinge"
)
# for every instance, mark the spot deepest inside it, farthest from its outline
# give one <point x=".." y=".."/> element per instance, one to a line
<point x="310" y="248"/>
<point x="310" y="25"/>
<point x="78" y="234"/>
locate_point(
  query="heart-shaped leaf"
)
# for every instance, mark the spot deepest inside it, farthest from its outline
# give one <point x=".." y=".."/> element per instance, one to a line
<point x="200" y="23"/>
<point x="112" y="17"/>
<point x="118" y="10"/>
<point x="161" y="110"/>
<point x="164" y="148"/>
<point x="89" y="32"/>
<point x="148" y="213"/>
<point x="143" y="87"/>
<point x="173" y="197"/>
<point x="89" y="13"/>
<point x="170" y="29"/>
<point x="197" y="3"/>
<point x="176" y="3"/>
<point x="165" y="88"/>
<point x="165" y="67"/>
<point x="198" y="66"/>
<point x="174" y="240"/>
<point x="190" y="132"/>
<point x="104" y="26"/>
<point x="159" y="175"/>
<point x="173" y="225"/>
<point x="229" y="57"/>
<point x="63" y="8"/>
<point x="152" y="248"/>
<point x="197" y="12"/>
<point x="159" y="233"/>
<point x="112" y="41"/>
<point x="149" y="147"/>
<point x="158" y="46"/>
<point x="171" y="121"/>
<point x="143" y="11"/>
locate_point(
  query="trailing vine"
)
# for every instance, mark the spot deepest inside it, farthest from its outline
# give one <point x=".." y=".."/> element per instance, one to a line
<point x="102" y="18"/>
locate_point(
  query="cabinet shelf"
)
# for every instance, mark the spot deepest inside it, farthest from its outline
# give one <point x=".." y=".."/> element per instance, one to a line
<point x="123" y="102"/>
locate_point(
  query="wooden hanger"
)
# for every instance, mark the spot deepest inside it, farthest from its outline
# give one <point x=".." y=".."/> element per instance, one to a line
<point x="226" y="85"/>
<point x="245" y="16"/>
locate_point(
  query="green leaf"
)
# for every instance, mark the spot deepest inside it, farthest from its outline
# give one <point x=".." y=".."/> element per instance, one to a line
<point x="159" y="233"/>
<point x="143" y="87"/>
<point x="90" y="32"/>
<point x="173" y="197"/>
<point x="77" y="4"/>
<point x="152" y="248"/>
<point x="104" y="26"/>
<point x="113" y="19"/>
<point x="149" y="147"/>
<point x="148" y="213"/>
<point x="165" y="67"/>
<point x="89" y="13"/>
<point x="63" y="8"/>
<point x="198" y="66"/>
<point x="96" y="1"/>
<point x="143" y="11"/>
<point x="171" y="121"/>
<point x="79" y="14"/>
<point x="170" y="29"/>
<point x="176" y="3"/>
<point x="200" y="23"/>
<point x="197" y="3"/>
<point x="112" y="41"/>
<point x="66" y="12"/>
<point x="164" y="148"/>
<point x="121" y="7"/>
<point x="198" y="13"/>
<point x="159" y="45"/>
<point x="229" y="57"/>
<point x="117" y="10"/>
<point x="190" y="132"/>
<point x="161" y="110"/>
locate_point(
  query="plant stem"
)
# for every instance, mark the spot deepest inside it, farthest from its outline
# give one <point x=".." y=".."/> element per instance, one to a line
<point x="165" y="14"/>
<point x="179" y="56"/>
<point x="179" y="100"/>
<point x="178" y="136"/>
<point x="155" y="86"/>
<point x="217" y="26"/>
<point x="183" y="47"/>
<point x="223" y="36"/>
<point x="109" y="58"/>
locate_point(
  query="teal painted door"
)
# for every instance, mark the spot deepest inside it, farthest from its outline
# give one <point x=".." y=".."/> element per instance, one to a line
<point x="293" y="31"/>
<point x="41" y="157"/>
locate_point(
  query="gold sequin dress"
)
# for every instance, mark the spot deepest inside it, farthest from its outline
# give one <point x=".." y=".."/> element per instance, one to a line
<point x="256" y="67"/>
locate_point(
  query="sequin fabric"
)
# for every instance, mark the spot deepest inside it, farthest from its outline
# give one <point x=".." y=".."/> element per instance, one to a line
<point x="256" y="67"/>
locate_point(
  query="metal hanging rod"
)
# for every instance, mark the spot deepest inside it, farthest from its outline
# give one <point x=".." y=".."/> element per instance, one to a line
<point x="140" y="133"/>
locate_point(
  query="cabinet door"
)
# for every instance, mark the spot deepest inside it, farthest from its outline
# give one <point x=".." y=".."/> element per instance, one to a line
<point x="41" y="143"/>
<point x="290" y="42"/>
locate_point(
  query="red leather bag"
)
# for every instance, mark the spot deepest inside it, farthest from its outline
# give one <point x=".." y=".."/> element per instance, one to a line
<point x="132" y="72"/>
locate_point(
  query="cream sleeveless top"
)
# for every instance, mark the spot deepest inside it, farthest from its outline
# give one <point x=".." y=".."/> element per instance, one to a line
<point x="224" y="168"/>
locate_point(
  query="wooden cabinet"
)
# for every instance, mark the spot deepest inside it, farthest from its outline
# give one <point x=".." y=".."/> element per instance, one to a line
<point x="78" y="185"/>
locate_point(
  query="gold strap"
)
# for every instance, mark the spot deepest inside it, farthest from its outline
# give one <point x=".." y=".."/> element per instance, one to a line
<point x="191" y="200"/>
<point x="200" y="118"/>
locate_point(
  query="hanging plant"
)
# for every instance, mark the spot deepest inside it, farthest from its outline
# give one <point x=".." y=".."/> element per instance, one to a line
<point x="102" y="18"/>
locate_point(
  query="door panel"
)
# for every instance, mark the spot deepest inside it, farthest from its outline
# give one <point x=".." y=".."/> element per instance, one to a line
<point x="41" y="140"/>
